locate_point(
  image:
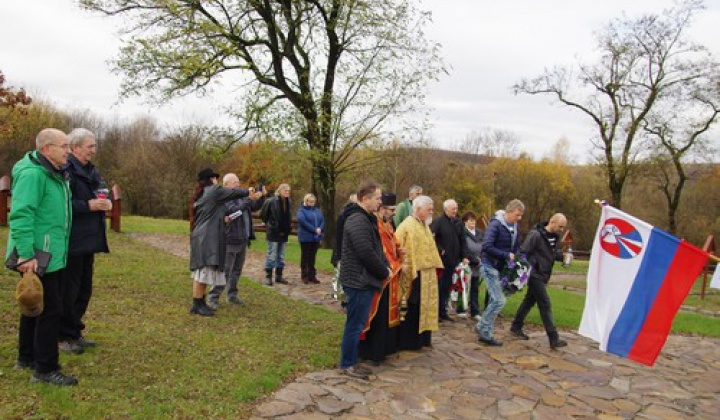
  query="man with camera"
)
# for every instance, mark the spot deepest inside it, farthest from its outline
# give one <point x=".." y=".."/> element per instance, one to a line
<point x="239" y="232"/>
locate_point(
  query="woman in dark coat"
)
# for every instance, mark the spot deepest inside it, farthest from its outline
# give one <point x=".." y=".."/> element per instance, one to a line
<point x="207" y="238"/>
<point x="311" y="224"/>
<point x="473" y="242"/>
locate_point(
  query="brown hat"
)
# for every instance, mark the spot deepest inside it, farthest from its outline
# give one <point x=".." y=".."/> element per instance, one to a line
<point x="29" y="294"/>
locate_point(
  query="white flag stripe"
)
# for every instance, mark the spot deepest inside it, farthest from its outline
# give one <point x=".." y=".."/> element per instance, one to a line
<point x="715" y="282"/>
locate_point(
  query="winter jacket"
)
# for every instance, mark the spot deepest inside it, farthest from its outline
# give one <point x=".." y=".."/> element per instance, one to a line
<point x="500" y="240"/>
<point x="207" y="239"/>
<point x="240" y="230"/>
<point x="473" y="244"/>
<point x="277" y="221"/>
<point x="349" y="209"/>
<point x="309" y="219"/>
<point x="88" y="233"/>
<point x="541" y="254"/>
<point x="449" y="239"/>
<point x="363" y="265"/>
<point x="41" y="210"/>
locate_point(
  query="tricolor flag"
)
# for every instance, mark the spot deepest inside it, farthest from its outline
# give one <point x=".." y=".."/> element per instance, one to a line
<point x="637" y="279"/>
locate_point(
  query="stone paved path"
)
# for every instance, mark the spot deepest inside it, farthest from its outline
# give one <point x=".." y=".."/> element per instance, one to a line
<point x="459" y="379"/>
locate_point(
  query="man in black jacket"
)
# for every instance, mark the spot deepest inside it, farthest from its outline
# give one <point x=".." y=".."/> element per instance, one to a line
<point x="362" y="270"/>
<point x="541" y="248"/>
<point x="90" y="201"/>
<point x="450" y="241"/>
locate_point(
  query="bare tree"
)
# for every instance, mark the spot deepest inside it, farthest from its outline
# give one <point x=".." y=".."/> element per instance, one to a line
<point x="491" y="143"/>
<point x="680" y="129"/>
<point x="327" y="73"/>
<point x="640" y="61"/>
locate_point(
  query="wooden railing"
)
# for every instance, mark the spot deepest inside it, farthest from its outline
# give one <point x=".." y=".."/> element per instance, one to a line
<point x="6" y="201"/>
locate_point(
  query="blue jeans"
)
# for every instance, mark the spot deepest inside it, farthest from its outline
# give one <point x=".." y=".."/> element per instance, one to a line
<point x="358" y="309"/>
<point x="275" y="255"/>
<point x="497" y="302"/>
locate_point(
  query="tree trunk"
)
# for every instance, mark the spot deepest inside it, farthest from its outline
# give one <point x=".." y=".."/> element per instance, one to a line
<point x="324" y="187"/>
<point x="616" y="187"/>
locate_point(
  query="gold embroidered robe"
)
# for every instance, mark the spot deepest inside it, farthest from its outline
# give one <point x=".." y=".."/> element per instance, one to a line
<point x="421" y="257"/>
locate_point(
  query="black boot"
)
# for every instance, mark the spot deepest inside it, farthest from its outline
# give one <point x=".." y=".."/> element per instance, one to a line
<point x="205" y="304"/>
<point x="555" y="340"/>
<point x="268" y="277"/>
<point x="199" y="308"/>
<point x="278" y="276"/>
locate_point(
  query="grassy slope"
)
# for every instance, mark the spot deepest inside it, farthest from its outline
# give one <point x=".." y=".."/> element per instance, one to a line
<point x="156" y="361"/>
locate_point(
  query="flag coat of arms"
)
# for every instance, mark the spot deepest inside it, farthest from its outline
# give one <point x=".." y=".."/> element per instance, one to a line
<point x="637" y="279"/>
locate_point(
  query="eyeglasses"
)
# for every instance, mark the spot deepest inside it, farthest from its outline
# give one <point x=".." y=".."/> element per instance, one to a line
<point x="63" y="146"/>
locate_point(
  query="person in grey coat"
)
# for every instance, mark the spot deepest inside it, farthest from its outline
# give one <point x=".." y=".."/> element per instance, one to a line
<point x="473" y="243"/>
<point x="207" y="238"/>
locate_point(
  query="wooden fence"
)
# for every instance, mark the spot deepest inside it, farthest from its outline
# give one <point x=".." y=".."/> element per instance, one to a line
<point x="6" y="201"/>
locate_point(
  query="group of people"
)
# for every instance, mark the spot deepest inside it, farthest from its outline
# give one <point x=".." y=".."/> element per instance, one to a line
<point x="222" y="230"/>
<point x="396" y="267"/>
<point x="395" y="263"/>
<point x="59" y="202"/>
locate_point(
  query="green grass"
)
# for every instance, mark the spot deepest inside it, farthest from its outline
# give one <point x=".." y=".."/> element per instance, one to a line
<point x="142" y="224"/>
<point x="577" y="266"/>
<point x="155" y="360"/>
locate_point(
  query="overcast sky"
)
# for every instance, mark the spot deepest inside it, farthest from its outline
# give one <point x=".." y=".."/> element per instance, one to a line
<point x="60" y="53"/>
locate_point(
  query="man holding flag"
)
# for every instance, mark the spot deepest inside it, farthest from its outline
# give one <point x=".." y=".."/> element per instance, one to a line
<point x="637" y="279"/>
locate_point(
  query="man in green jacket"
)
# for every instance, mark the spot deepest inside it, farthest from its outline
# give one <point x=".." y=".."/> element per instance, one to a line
<point x="40" y="218"/>
<point x="404" y="209"/>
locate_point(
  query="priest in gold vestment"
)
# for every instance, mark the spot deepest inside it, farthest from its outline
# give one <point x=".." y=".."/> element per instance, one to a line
<point x="418" y="283"/>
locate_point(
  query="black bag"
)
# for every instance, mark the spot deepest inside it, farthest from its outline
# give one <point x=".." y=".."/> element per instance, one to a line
<point x="42" y="257"/>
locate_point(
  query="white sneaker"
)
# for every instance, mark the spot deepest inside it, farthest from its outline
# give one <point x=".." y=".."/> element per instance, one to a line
<point x="462" y="315"/>
<point x="478" y="318"/>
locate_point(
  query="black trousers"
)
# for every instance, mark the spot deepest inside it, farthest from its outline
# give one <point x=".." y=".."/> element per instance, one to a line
<point x="77" y="287"/>
<point x="445" y="283"/>
<point x="536" y="293"/>
<point x="38" y="337"/>
<point x="408" y="337"/>
<point x="308" y="252"/>
<point x="474" y="290"/>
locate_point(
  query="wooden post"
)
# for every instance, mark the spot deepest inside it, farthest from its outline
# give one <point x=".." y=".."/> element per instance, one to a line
<point x="5" y="186"/>
<point x="709" y="247"/>
<point x="567" y="241"/>
<point x="483" y="222"/>
<point x="117" y="208"/>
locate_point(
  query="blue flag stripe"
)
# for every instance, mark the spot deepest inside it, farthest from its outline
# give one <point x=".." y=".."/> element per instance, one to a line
<point x="659" y="253"/>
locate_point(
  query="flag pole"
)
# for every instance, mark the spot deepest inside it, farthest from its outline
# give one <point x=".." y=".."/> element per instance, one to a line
<point x="602" y="203"/>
